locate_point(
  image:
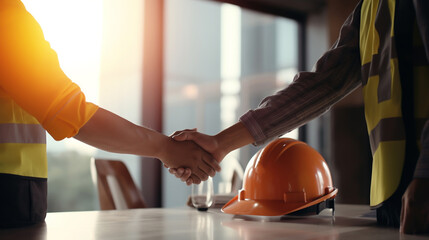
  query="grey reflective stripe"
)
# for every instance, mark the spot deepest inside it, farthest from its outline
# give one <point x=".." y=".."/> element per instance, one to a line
<point x="388" y="129"/>
<point x="378" y="135"/>
<point x="22" y="133"/>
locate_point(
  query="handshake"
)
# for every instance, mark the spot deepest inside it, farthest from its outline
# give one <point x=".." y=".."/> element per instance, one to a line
<point x="200" y="158"/>
<point x="193" y="156"/>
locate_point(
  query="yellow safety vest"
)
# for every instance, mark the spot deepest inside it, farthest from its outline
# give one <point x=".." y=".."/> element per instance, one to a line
<point x="22" y="141"/>
<point x="384" y="97"/>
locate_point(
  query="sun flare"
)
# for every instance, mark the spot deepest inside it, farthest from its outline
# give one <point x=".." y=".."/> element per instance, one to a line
<point x="74" y="30"/>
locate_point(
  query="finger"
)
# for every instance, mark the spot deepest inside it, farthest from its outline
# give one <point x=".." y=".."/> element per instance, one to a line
<point x="408" y="225"/>
<point x="175" y="133"/>
<point x="186" y="175"/>
<point x="195" y="179"/>
<point x="200" y="174"/>
<point x="182" y="136"/>
<point x="185" y="135"/>
<point x="213" y="163"/>
<point x="189" y="181"/>
<point x="207" y="169"/>
<point x="179" y="172"/>
<point x="177" y="175"/>
<point x="185" y="130"/>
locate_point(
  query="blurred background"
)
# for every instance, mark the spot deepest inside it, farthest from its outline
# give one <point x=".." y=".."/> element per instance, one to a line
<point x="176" y="64"/>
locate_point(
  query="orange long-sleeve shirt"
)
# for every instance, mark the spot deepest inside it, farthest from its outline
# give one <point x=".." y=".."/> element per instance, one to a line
<point x="31" y="76"/>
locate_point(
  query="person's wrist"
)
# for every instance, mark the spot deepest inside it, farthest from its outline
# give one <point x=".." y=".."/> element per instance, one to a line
<point x="160" y="147"/>
<point x="232" y="138"/>
<point x="222" y="148"/>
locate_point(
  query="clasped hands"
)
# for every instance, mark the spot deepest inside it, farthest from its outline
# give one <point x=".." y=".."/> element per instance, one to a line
<point x="207" y="148"/>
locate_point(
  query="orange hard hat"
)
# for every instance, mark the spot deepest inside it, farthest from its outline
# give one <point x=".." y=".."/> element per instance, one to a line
<point x="285" y="176"/>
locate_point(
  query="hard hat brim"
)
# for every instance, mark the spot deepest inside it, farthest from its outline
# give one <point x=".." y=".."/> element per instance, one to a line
<point x="269" y="207"/>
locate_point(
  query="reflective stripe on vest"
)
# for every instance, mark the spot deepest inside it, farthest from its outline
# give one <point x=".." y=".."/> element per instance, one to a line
<point x="22" y="133"/>
<point x="22" y="142"/>
<point x="382" y="93"/>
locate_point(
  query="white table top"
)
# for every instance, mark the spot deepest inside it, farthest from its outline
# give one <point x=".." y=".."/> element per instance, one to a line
<point x="187" y="223"/>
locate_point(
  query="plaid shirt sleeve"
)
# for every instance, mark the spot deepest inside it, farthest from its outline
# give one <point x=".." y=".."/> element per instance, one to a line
<point x="336" y="74"/>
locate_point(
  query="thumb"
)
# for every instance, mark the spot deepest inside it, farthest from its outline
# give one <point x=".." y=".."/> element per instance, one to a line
<point x="179" y="132"/>
<point x="183" y="136"/>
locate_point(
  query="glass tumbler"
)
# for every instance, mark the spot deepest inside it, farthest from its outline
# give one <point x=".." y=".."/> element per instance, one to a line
<point x="202" y="194"/>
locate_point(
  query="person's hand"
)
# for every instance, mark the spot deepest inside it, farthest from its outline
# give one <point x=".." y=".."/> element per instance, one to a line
<point x="207" y="142"/>
<point x="184" y="174"/>
<point x="188" y="155"/>
<point x="415" y="208"/>
<point x="218" y="145"/>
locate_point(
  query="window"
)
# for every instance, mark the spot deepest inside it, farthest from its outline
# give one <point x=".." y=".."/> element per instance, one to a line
<point x="220" y="61"/>
<point x="99" y="45"/>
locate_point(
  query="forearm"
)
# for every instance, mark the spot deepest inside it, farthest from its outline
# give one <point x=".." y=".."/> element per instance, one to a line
<point x="110" y="132"/>
<point x="233" y="138"/>
<point x="336" y="74"/>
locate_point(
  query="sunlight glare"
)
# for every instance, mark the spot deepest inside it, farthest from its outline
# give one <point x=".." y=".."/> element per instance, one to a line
<point x="74" y="30"/>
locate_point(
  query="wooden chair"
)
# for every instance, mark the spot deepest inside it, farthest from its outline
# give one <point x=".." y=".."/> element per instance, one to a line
<point x="116" y="188"/>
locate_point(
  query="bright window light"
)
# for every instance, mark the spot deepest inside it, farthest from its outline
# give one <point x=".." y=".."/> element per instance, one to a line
<point x="74" y="30"/>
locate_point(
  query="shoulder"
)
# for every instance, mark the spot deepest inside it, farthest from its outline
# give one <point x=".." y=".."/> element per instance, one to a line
<point x="15" y="19"/>
<point x="9" y="8"/>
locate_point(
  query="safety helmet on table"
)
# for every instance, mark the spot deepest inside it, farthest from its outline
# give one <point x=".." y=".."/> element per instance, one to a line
<point x="285" y="176"/>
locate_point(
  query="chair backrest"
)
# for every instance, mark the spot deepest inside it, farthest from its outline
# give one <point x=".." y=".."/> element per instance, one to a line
<point x="116" y="188"/>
